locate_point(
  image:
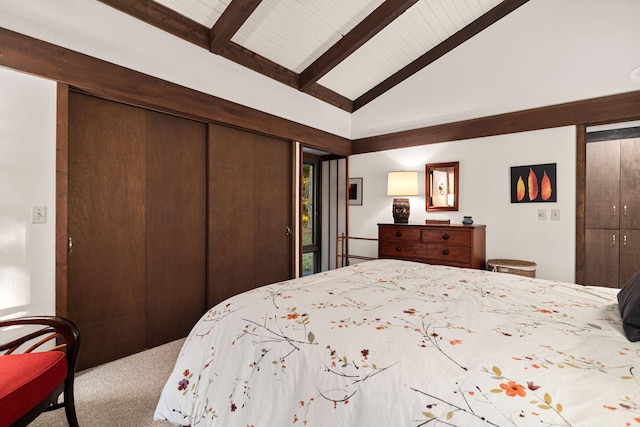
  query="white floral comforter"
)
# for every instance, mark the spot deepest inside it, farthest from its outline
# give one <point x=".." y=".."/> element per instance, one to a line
<point x="392" y="343"/>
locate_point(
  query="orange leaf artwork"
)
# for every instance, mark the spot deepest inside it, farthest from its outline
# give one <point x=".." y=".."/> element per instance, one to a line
<point x="520" y="189"/>
<point x="533" y="185"/>
<point x="546" y="186"/>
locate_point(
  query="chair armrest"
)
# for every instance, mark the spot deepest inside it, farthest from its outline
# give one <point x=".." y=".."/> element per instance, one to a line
<point x="53" y="327"/>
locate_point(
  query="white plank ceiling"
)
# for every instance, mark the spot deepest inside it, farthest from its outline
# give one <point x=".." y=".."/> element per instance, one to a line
<point x="292" y="34"/>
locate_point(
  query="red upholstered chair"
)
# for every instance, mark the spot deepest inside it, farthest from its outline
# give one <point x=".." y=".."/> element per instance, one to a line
<point x="32" y="379"/>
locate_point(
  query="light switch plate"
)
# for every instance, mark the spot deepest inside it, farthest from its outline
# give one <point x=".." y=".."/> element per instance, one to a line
<point x="39" y="215"/>
<point x="542" y="214"/>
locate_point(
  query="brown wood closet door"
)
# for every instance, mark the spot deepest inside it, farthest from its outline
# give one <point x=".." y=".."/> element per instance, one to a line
<point x="274" y="209"/>
<point x="603" y="185"/>
<point x="250" y="208"/>
<point x="630" y="184"/>
<point x="602" y="255"/>
<point x="106" y="220"/>
<point x="176" y="226"/>
<point x="629" y="254"/>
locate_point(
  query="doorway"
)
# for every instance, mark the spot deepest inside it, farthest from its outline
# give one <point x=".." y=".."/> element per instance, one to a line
<point x="310" y="214"/>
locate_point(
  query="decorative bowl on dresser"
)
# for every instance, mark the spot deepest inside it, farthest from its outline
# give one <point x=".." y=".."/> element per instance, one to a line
<point x="455" y="245"/>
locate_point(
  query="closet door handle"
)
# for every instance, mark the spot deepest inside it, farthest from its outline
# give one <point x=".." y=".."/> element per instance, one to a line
<point x="288" y="231"/>
<point x="614" y="211"/>
<point x="613" y="241"/>
<point x="69" y="245"/>
<point x="624" y="210"/>
<point x="624" y="240"/>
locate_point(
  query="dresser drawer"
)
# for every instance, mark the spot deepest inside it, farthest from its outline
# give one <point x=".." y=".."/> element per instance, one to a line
<point x="399" y="233"/>
<point x="400" y="250"/>
<point x="458" y="256"/>
<point x="451" y="237"/>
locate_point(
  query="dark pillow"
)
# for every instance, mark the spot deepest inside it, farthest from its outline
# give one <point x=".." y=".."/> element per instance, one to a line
<point x="629" y="304"/>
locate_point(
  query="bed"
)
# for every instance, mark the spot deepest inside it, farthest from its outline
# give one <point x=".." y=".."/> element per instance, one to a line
<point x="397" y="343"/>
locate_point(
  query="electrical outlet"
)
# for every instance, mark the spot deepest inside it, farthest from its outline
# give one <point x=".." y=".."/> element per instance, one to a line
<point x="542" y="214"/>
<point x="555" y="214"/>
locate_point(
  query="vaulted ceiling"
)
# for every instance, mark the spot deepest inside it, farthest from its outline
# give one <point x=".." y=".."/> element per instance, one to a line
<point x="343" y="52"/>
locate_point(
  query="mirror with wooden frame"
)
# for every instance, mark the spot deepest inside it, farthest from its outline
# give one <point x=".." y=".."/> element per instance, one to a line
<point x="442" y="186"/>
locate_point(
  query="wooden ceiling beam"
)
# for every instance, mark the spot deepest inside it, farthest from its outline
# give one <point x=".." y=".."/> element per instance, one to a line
<point x="163" y="18"/>
<point x="172" y="22"/>
<point x="233" y="17"/>
<point x="385" y="14"/>
<point x="475" y="27"/>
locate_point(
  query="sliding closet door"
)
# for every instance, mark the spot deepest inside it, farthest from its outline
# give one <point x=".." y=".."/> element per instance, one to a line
<point x="106" y="222"/>
<point x="274" y="209"/>
<point x="250" y="208"/>
<point x="176" y="226"/>
<point x="137" y="218"/>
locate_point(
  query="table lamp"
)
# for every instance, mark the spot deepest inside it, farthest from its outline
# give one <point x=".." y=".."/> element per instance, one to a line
<point x="404" y="183"/>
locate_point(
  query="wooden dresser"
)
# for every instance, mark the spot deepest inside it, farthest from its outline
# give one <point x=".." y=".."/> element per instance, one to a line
<point x="456" y="245"/>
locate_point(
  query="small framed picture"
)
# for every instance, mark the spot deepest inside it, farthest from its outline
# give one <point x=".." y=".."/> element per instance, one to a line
<point x="354" y="192"/>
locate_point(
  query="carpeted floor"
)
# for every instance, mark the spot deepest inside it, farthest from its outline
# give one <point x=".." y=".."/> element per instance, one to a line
<point x="120" y="393"/>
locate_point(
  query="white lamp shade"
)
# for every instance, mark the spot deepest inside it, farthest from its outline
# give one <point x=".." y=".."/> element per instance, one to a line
<point x="403" y="183"/>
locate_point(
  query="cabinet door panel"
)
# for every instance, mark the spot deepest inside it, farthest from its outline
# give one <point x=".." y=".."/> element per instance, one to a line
<point x="106" y="269"/>
<point x="602" y="257"/>
<point x="630" y="183"/>
<point x="603" y="184"/>
<point x="629" y="254"/>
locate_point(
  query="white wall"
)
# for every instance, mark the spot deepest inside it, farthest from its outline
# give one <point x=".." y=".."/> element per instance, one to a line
<point x="513" y="230"/>
<point x="27" y="178"/>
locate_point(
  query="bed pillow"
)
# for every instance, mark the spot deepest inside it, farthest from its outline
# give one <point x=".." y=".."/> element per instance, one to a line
<point x="629" y="304"/>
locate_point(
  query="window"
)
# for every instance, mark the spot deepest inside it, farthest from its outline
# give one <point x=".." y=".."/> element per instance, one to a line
<point x="309" y="216"/>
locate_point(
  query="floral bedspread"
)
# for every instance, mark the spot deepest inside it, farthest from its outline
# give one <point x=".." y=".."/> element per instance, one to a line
<point x="393" y="343"/>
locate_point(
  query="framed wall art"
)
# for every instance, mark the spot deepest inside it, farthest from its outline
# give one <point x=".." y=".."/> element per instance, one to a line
<point x="355" y="191"/>
<point x="534" y="183"/>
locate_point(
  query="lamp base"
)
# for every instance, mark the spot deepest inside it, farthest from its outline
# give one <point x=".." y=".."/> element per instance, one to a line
<point x="400" y="210"/>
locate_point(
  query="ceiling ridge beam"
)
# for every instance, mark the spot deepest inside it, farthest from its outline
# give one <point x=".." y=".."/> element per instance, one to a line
<point x="484" y="21"/>
<point x="233" y="17"/>
<point x="382" y="16"/>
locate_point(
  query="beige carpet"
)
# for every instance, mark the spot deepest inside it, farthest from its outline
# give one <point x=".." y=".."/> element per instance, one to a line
<point x="120" y="393"/>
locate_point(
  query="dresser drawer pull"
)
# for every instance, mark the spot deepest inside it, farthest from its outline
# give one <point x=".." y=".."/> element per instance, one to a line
<point x="445" y="252"/>
<point x="445" y="236"/>
<point x="398" y="233"/>
<point x="398" y="248"/>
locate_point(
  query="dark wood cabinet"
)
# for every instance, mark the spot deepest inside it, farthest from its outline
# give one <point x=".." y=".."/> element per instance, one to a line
<point x="451" y="244"/>
<point x="612" y="214"/>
